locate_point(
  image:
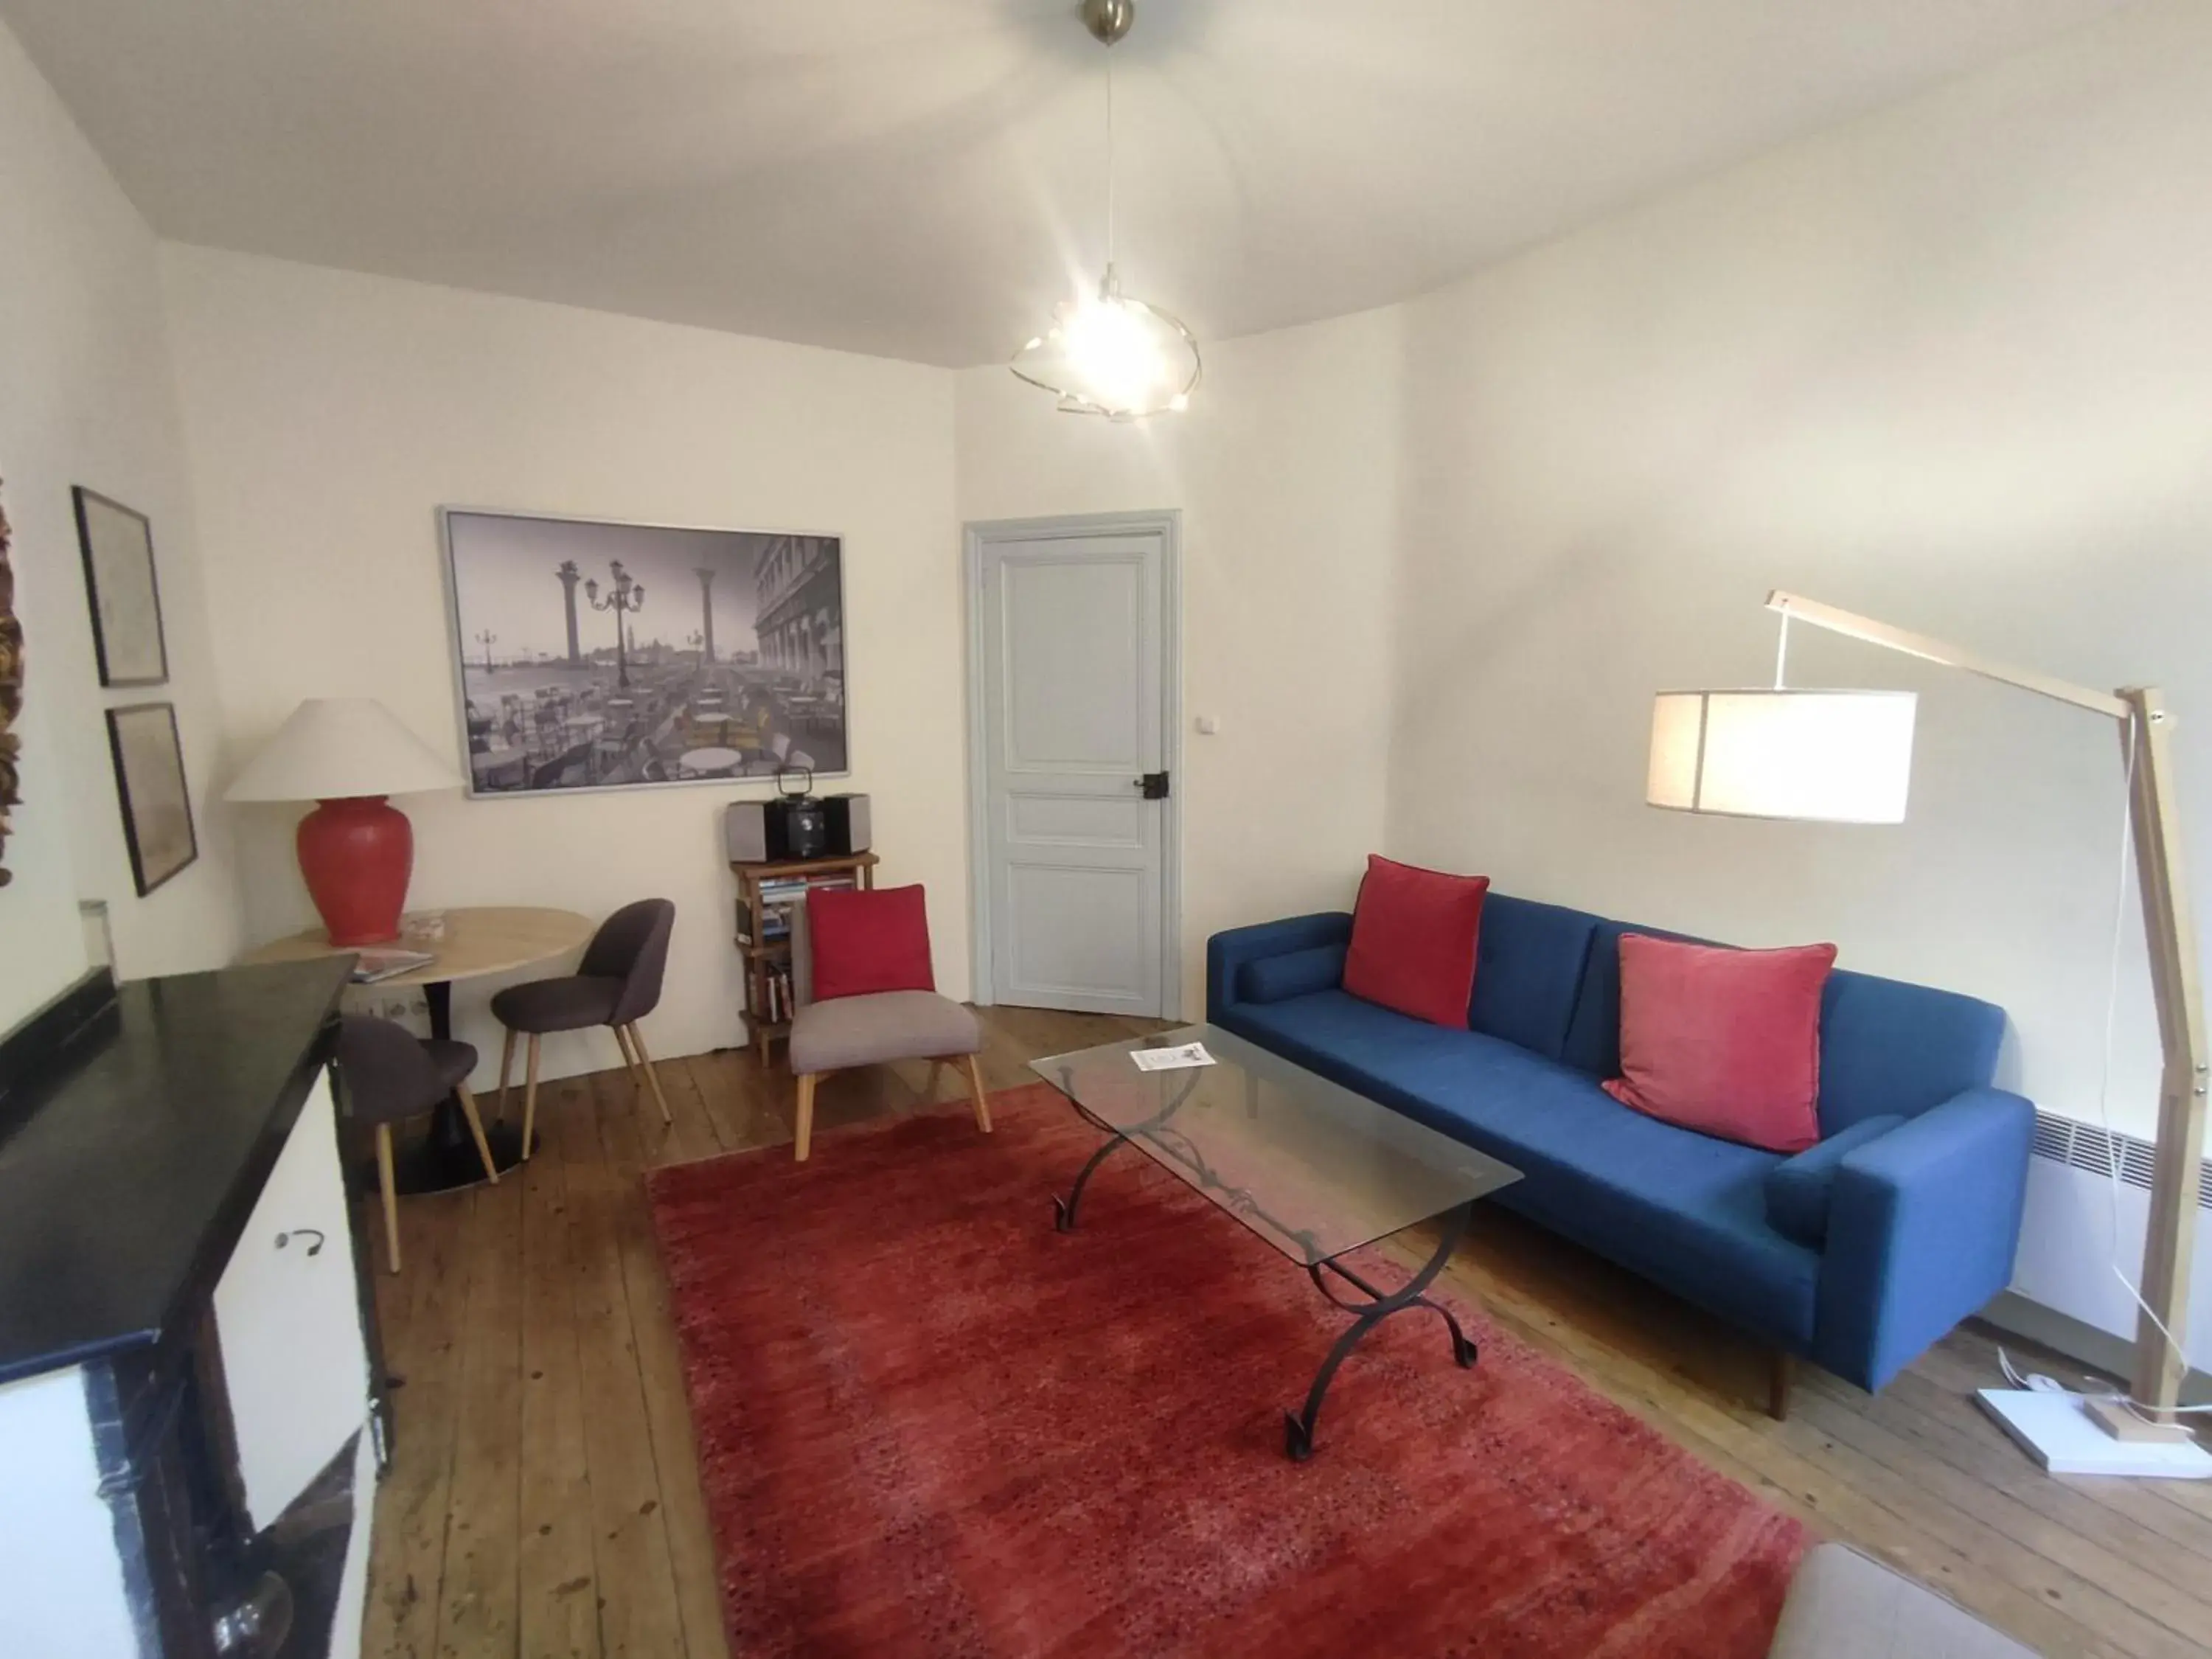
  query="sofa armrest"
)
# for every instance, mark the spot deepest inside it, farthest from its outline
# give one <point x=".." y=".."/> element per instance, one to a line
<point x="1227" y="953"/>
<point x="1923" y="1228"/>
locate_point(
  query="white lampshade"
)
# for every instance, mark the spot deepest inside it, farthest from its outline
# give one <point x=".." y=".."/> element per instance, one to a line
<point x="339" y="748"/>
<point x="1844" y="756"/>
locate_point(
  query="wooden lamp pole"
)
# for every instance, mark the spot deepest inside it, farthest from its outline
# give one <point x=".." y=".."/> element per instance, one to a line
<point x="2146" y="746"/>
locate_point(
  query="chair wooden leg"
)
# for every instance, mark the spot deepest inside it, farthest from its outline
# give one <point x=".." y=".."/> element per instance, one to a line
<point x="529" y="1097"/>
<point x="936" y="1072"/>
<point x="976" y="1093"/>
<point x="630" y="1060"/>
<point x="476" y="1128"/>
<point x="805" y="1138"/>
<point x="506" y="1065"/>
<point x="388" y="1182"/>
<point x="652" y="1076"/>
<point x="1782" y="1368"/>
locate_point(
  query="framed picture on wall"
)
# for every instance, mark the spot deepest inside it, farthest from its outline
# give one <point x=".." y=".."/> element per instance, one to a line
<point x="595" y="655"/>
<point x="149" y="785"/>
<point x="118" y="545"/>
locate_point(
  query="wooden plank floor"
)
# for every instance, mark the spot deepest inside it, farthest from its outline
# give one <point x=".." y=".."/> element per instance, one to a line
<point x="545" y="1500"/>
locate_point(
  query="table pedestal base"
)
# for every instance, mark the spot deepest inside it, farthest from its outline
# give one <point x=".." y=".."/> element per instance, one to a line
<point x="446" y="1157"/>
<point x="432" y="1165"/>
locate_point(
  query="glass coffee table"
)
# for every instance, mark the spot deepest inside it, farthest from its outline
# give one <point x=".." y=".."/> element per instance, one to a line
<point x="1312" y="1168"/>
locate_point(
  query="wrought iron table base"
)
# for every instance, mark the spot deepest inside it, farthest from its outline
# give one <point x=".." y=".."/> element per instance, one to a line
<point x="1297" y="1426"/>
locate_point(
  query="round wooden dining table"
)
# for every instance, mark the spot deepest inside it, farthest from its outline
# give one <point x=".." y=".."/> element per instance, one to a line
<point x="479" y="940"/>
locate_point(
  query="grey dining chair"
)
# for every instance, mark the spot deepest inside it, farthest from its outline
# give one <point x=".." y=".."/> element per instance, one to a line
<point x="391" y="1075"/>
<point x="615" y="985"/>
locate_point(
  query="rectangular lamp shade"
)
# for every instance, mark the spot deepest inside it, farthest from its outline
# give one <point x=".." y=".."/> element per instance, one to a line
<point x="1838" y="756"/>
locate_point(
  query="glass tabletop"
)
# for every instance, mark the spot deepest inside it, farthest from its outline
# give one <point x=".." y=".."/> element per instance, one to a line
<point x="1310" y="1166"/>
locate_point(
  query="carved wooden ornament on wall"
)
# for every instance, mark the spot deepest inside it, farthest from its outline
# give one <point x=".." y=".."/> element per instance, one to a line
<point x="11" y="692"/>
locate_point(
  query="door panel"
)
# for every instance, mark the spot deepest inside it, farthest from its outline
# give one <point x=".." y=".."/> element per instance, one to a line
<point x="1072" y="654"/>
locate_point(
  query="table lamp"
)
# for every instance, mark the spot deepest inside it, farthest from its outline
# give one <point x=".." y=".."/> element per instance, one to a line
<point x="1845" y="757"/>
<point x="356" y="849"/>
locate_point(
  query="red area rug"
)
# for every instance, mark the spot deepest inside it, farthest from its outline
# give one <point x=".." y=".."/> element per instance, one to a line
<point x="929" y="1424"/>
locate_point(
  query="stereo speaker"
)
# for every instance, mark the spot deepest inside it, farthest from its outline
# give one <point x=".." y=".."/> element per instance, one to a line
<point x="772" y="832"/>
<point x="847" y="816"/>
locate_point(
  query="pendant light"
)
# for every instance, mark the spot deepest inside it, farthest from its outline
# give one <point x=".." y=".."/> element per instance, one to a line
<point x="1111" y="355"/>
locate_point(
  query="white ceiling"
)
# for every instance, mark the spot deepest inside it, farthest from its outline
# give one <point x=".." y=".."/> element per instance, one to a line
<point x="922" y="178"/>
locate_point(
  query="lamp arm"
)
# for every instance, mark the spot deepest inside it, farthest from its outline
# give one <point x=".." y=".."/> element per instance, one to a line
<point x="1791" y="606"/>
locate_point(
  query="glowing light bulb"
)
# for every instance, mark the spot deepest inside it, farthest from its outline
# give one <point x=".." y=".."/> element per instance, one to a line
<point x="1108" y="354"/>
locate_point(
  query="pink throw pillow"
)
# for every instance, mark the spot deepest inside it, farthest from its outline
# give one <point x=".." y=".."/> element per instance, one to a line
<point x="1724" y="1042"/>
<point x="1413" y="941"/>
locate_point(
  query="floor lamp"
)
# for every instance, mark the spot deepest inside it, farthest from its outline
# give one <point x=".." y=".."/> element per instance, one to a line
<point x="1846" y="756"/>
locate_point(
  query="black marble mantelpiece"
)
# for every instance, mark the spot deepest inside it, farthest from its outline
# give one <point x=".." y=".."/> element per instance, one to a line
<point x="128" y="1172"/>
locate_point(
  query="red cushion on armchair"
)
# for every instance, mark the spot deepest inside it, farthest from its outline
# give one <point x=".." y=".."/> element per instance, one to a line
<point x="866" y="941"/>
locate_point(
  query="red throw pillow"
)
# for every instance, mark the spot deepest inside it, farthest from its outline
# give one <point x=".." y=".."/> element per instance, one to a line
<point x="1726" y="1042"/>
<point x="1413" y="941"/>
<point x="867" y="941"/>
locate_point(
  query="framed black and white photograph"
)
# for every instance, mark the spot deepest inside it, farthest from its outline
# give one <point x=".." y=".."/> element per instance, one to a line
<point x="118" y="545"/>
<point x="150" y="783"/>
<point x="619" y="656"/>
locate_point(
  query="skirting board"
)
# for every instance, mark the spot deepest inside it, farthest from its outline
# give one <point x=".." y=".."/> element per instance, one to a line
<point x="2057" y="1432"/>
<point x="2099" y="1349"/>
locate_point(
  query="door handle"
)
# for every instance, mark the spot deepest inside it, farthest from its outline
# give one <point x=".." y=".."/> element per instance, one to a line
<point x="1155" y="786"/>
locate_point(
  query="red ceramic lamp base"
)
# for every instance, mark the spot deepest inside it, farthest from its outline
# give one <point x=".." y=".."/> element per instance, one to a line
<point x="356" y="856"/>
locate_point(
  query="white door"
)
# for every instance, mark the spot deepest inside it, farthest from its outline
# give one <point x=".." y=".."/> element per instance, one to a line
<point x="1073" y="657"/>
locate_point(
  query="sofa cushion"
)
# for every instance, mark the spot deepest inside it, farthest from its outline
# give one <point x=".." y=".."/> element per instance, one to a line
<point x="1887" y="1047"/>
<point x="1724" y="1042"/>
<point x="1293" y="973"/>
<point x="1682" y="1209"/>
<point x="1528" y="964"/>
<point x="869" y="1029"/>
<point x="1414" y="939"/>
<point x="1797" y="1188"/>
<point x="1844" y="1605"/>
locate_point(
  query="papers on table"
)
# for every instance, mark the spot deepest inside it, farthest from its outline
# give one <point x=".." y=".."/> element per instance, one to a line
<point x="375" y="966"/>
<point x="1171" y="1059"/>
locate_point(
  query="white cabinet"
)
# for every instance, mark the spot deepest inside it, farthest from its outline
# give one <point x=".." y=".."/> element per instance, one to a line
<point x="61" y="1580"/>
<point x="289" y="1321"/>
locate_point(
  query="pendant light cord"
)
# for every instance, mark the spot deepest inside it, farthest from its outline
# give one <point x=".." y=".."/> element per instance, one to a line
<point x="1109" y="158"/>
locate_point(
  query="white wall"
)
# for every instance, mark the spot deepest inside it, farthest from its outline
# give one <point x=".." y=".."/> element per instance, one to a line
<point x="331" y="414"/>
<point x="1951" y="366"/>
<point x="1284" y="470"/>
<point x="87" y="398"/>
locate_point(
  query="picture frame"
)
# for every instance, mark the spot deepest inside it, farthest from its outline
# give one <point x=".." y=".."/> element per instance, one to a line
<point x="151" y="790"/>
<point x="117" y="543"/>
<point x="599" y="654"/>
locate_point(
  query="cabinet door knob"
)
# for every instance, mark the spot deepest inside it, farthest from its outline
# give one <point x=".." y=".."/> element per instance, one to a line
<point x="316" y="1233"/>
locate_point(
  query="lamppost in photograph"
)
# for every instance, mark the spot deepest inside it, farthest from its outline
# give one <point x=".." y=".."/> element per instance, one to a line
<point x="624" y="597"/>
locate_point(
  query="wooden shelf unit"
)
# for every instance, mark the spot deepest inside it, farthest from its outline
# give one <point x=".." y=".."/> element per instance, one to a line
<point x="765" y="958"/>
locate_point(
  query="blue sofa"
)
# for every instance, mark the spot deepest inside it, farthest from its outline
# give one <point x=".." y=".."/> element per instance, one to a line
<point x="1857" y="1254"/>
